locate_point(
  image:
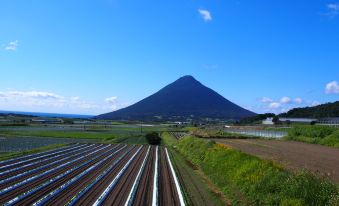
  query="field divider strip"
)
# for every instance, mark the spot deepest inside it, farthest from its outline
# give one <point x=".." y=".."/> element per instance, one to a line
<point x="155" y="179"/>
<point x="10" y="188"/>
<point x="47" y="197"/>
<point x="98" y="178"/>
<point x="105" y="193"/>
<point x="13" y="164"/>
<point x="47" y="165"/>
<point x="41" y="186"/>
<point x="181" y="198"/>
<point x="131" y="196"/>
<point x="41" y="161"/>
<point x="37" y="154"/>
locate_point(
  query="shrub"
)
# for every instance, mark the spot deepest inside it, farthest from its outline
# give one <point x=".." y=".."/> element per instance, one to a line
<point x="153" y="138"/>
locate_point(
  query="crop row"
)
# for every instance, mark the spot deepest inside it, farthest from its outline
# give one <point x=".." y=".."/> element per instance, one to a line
<point x="92" y="174"/>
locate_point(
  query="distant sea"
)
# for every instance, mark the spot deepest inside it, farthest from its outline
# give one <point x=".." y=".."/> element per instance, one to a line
<point x="41" y="114"/>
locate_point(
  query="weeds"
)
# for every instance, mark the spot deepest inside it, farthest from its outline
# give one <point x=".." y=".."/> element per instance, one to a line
<point x="261" y="182"/>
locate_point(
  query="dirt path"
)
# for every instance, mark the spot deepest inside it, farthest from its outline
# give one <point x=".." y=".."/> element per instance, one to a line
<point x="292" y="155"/>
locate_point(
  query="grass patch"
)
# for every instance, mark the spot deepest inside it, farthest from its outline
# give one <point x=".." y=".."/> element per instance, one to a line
<point x="87" y="132"/>
<point x="167" y="139"/>
<point x="259" y="182"/>
<point x="198" y="189"/>
<point x="315" y="134"/>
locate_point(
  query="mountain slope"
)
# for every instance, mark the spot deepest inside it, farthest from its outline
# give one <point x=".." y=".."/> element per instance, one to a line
<point x="320" y="111"/>
<point x="184" y="98"/>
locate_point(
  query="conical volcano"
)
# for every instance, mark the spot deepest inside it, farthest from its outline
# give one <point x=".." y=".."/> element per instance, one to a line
<point x="182" y="99"/>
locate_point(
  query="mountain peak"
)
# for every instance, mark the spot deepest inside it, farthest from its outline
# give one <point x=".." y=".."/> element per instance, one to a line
<point x="187" y="77"/>
<point x="185" y="98"/>
<point x="186" y="81"/>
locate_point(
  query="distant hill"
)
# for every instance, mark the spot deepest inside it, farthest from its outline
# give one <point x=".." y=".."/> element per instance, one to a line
<point x="41" y="114"/>
<point x="182" y="99"/>
<point x="320" y="111"/>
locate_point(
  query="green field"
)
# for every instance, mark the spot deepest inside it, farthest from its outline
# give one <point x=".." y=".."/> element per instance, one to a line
<point x="122" y="132"/>
<point x="314" y="134"/>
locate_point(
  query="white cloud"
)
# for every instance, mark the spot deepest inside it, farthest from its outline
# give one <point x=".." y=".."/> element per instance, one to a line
<point x="12" y="46"/>
<point x="42" y="101"/>
<point x="333" y="9"/>
<point x="111" y="100"/>
<point x="332" y="88"/>
<point x="33" y="94"/>
<point x="205" y="14"/>
<point x="75" y="98"/>
<point x="283" y="104"/>
<point x="298" y="100"/>
<point x="266" y="100"/>
<point x="285" y="100"/>
<point x="274" y="105"/>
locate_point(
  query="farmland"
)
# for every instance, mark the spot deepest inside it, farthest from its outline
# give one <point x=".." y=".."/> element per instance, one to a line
<point x="117" y="165"/>
<point x="248" y="180"/>
<point x="91" y="174"/>
<point x="14" y="144"/>
<point x="294" y="156"/>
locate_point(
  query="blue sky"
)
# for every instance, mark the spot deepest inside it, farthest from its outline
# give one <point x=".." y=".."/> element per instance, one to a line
<point x="90" y="57"/>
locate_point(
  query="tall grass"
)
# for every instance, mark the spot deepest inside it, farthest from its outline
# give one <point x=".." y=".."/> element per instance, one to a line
<point x="323" y="135"/>
<point x="259" y="182"/>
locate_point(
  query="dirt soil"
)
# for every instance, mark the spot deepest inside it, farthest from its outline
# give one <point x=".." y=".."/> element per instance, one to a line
<point x="292" y="155"/>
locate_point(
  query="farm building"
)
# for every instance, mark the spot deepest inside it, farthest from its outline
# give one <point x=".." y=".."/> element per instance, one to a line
<point x="269" y="120"/>
<point x="298" y="120"/>
<point x="48" y="121"/>
<point x="333" y="121"/>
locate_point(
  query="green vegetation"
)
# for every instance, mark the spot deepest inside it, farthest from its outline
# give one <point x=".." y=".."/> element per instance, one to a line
<point x="249" y="180"/>
<point x="168" y="140"/>
<point x="129" y="134"/>
<point x="257" y="119"/>
<point x="197" y="187"/>
<point x="153" y="138"/>
<point x="320" y="111"/>
<point x="217" y="133"/>
<point x="87" y="132"/>
<point x="138" y="139"/>
<point x="314" y="134"/>
<point x="9" y="155"/>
